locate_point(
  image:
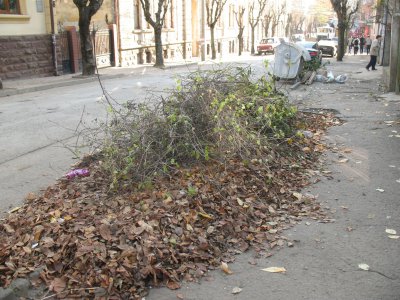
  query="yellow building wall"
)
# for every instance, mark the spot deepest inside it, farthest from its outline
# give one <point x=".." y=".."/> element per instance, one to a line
<point x="67" y="14"/>
<point x="29" y="22"/>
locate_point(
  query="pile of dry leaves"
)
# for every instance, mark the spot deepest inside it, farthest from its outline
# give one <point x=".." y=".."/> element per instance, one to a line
<point x="86" y="241"/>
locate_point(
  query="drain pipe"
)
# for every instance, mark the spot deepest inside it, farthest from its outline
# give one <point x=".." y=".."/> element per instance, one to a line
<point x="53" y="37"/>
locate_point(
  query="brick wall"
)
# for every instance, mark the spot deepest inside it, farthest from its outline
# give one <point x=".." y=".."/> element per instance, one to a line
<point x="26" y="56"/>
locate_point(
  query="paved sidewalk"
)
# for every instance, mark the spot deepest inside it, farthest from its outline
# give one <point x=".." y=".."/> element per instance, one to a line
<point x="20" y="86"/>
<point x="360" y="194"/>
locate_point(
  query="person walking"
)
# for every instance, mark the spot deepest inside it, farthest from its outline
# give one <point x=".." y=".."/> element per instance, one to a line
<point x="375" y="46"/>
<point x="356" y="43"/>
<point x="362" y="44"/>
<point x="368" y="43"/>
<point x="350" y="43"/>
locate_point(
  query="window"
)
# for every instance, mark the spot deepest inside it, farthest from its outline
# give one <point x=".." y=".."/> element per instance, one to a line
<point x="169" y="16"/>
<point x="231" y="15"/>
<point x="9" y="7"/>
<point x="39" y="6"/>
<point x="137" y="18"/>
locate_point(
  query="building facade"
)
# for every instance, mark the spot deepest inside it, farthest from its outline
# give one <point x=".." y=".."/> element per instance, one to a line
<point x="44" y="34"/>
<point x="26" y="47"/>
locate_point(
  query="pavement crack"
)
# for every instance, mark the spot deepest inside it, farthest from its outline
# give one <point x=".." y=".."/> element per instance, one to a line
<point x="380" y="273"/>
<point x="34" y="150"/>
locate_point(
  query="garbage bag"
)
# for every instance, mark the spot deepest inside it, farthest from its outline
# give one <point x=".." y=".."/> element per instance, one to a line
<point x="341" y="78"/>
<point x="330" y="78"/>
<point x="77" y="173"/>
<point x="320" y="78"/>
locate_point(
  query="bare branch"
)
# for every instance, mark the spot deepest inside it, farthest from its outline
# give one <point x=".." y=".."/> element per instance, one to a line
<point x="261" y="6"/>
<point x="146" y="12"/>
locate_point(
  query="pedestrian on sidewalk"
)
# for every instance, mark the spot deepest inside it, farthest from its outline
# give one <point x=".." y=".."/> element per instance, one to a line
<point x="375" y="47"/>
<point x="356" y="43"/>
<point x="362" y="44"/>
<point x="350" y="43"/>
<point x="368" y="43"/>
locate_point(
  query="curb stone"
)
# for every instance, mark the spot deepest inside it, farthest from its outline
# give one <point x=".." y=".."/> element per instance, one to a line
<point x="75" y="80"/>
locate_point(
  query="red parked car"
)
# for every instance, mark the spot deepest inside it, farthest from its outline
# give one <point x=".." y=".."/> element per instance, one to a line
<point x="267" y="45"/>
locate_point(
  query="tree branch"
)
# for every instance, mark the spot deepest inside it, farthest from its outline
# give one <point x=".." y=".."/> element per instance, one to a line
<point x="81" y="3"/>
<point x="146" y="12"/>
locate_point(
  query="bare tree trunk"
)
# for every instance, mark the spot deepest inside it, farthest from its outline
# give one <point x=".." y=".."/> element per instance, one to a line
<point x="159" y="49"/>
<point x="88" y="60"/>
<point x="341" y="45"/>
<point x="214" y="9"/>
<point x="253" y="20"/>
<point x="240" y="22"/>
<point x="86" y="11"/>
<point x="240" y="37"/>
<point x="213" y="51"/>
<point x="253" y="50"/>
<point x="344" y="13"/>
<point x="157" y="24"/>
<point x="288" y="26"/>
<point x="267" y="29"/>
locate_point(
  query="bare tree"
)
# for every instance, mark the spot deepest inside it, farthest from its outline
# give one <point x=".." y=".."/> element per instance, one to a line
<point x="288" y="26"/>
<point x="87" y="8"/>
<point x="254" y="19"/>
<point x="214" y="9"/>
<point x="276" y="16"/>
<point x="311" y="24"/>
<point x="267" y="21"/>
<point x="157" y="23"/>
<point x="344" y="11"/>
<point x="297" y="22"/>
<point x="240" y="22"/>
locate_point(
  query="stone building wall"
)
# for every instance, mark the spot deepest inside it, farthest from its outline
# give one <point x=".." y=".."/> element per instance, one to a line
<point x="26" y="56"/>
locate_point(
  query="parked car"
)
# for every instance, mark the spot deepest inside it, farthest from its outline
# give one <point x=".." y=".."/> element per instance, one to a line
<point x="328" y="46"/>
<point x="268" y="45"/>
<point x="298" y="37"/>
<point x="312" y="48"/>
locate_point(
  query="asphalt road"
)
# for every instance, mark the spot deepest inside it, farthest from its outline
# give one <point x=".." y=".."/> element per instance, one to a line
<point x="39" y="129"/>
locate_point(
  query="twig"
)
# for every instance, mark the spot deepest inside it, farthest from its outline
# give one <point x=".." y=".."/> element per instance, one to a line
<point x="69" y="291"/>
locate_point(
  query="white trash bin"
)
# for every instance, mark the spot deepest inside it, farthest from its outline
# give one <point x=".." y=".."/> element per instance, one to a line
<point x="289" y="58"/>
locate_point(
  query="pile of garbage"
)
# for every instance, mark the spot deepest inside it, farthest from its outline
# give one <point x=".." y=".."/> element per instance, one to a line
<point x="320" y="75"/>
<point x="329" y="77"/>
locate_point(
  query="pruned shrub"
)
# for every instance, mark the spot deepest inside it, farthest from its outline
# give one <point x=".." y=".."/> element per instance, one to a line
<point x="210" y="115"/>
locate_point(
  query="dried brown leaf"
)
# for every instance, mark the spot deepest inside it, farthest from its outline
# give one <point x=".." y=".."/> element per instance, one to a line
<point x="37" y="232"/>
<point x="30" y="197"/>
<point x="105" y="232"/>
<point x="173" y="285"/>
<point x="8" y="228"/>
<point x="224" y="267"/>
<point x="58" y="285"/>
